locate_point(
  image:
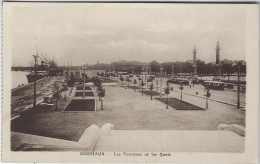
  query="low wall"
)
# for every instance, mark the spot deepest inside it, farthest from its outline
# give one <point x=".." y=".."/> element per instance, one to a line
<point x="234" y="127"/>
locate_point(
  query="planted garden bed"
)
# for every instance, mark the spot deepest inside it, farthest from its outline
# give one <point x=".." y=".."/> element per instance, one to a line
<point x="81" y="105"/>
<point x="149" y="92"/>
<point x="81" y="88"/>
<point x="80" y="94"/>
<point x="179" y="104"/>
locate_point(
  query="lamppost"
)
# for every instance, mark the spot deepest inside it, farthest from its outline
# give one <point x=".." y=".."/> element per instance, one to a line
<point x="148" y="70"/>
<point x="157" y="85"/>
<point x="84" y="81"/>
<point x="145" y="75"/>
<point x="127" y="77"/>
<point x="172" y="70"/>
<point x="161" y="70"/>
<point x="34" y="82"/>
<point x="238" y="64"/>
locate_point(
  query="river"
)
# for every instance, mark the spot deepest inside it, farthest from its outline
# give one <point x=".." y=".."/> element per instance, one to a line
<point x="18" y="78"/>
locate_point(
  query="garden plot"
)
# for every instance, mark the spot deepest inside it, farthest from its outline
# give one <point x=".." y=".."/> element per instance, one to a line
<point x="80" y="105"/>
<point x="179" y="104"/>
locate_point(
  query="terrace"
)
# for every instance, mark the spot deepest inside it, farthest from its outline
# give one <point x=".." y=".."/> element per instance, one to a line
<point x="127" y="110"/>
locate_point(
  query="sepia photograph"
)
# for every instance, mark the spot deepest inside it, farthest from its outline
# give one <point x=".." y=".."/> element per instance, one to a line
<point x="126" y="79"/>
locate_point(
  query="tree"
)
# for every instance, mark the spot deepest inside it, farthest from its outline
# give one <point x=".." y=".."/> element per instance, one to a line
<point x="207" y="96"/>
<point x="201" y="67"/>
<point x="157" y="85"/>
<point x="96" y="81"/>
<point x="122" y="79"/>
<point x="127" y="79"/>
<point x="210" y="68"/>
<point x="167" y="92"/>
<point x="87" y="79"/>
<point x="227" y="68"/>
<point x="142" y="85"/>
<point x="56" y="93"/>
<point x="181" y="88"/>
<point x="187" y="67"/>
<point x="101" y="93"/>
<point x="72" y="80"/>
<point x="151" y="89"/>
<point x="137" y="69"/>
<point x="134" y="84"/>
<point x="155" y="66"/>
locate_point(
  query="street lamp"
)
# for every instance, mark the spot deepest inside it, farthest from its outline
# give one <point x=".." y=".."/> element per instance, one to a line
<point x="161" y="70"/>
<point x="148" y="70"/>
<point x="34" y="82"/>
<point x="238" y="64"/>
<point x="84" y="81"/>
<point x="145" y="75"/>
<point x="127" y="77"/>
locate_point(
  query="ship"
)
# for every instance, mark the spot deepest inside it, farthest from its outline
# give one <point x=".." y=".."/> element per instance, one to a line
<point x="41" y="72"/>
<point x="39" y="75"/>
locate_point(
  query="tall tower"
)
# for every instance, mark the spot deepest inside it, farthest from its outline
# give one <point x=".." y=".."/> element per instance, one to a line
<point x="217" y="53"/>
<point x="194" y="60"/>
<point x="218" y="64"/>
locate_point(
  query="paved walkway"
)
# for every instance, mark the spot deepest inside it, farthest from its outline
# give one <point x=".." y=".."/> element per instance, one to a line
<point x="143" y="112"/>
<point x="227" y="95"/>
<point x="128" y="110"/>
<point x="136" y="141"/>
<point x="170" y="141"/>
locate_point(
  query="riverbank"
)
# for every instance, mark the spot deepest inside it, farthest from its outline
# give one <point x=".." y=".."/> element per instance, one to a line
<point x="22" y="98"/>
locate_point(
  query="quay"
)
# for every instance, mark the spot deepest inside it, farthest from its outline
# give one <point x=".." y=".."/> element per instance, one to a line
<point x="138" y="123"/>
<point x="22" y="97"/>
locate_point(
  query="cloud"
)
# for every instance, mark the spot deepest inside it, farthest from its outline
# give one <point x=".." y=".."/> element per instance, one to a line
<point x="145" y="32"/>
<point x="133" y="44"/>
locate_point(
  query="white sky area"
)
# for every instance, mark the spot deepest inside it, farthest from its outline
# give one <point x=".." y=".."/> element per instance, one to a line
<point x="87" y="33"/>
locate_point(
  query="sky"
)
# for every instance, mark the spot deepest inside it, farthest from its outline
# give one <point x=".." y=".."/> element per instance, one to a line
<point x="97" y="32"/>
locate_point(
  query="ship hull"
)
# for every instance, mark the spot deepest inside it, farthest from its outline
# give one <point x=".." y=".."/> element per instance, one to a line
<point x="32" y="78"/>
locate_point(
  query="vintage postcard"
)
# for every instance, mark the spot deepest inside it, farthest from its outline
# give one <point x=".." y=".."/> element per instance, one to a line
<point x="130" y="82"/>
